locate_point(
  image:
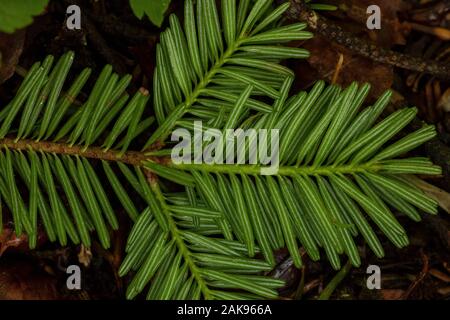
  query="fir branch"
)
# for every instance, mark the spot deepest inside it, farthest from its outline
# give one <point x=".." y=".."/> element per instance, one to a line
<point x="175" y="232"/>
<point x="338" y="167"/>
<point x="192" y="60"/>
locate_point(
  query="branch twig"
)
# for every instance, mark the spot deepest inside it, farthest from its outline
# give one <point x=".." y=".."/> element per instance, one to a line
<point x="329" y="30"/>
<point x="419" y="277"/>
<point x="130" y="157"/>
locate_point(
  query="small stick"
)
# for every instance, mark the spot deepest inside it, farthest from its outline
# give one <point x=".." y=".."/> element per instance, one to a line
<point x="419" y="277"/>
<point x="441" y="33"/>
<point x="338" y="69"/>
<point x="329" y="289"/>
<point x="329" y="30"/>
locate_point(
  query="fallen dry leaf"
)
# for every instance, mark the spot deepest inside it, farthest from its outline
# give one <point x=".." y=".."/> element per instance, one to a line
<point x="440" y="275"/>
<point x="444" y="102"/>
<point x="11" y="46"/>
<point x="325" y="56"/>
<point x="442" y="197"/>
<point x="85" y="256"/>
<point x="392" y="294"/>
<point x="434" y="13"/>
<point x="19" y="281"/>
<point x="9" y="240"/>
<point x="444" y="291"/>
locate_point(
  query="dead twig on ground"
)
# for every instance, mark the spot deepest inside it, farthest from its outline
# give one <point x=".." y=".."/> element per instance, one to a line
<point x="419" y="277"/>
<point x="320" y="25"/>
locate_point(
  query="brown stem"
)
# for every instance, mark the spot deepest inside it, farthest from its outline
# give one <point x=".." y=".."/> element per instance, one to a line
<point x="131" y="157"/>
<point x="329" y="30"/>
<point x="420" y="276"/>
